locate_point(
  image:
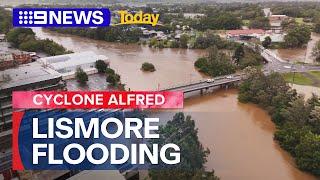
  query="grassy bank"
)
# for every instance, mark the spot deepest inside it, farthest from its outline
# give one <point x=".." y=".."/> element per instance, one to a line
<point x="311" y="78"/>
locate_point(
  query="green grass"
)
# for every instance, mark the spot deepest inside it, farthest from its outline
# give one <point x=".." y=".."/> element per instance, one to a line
<point x="297" y="78"/>
<point x="246" y="22"/>
<point x="299" y="20"/>
<point x="315" y="74"/>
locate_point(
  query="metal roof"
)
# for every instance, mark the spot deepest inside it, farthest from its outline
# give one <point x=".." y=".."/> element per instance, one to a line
<point x="26" y="74"/>
<point x="71" y="60"/>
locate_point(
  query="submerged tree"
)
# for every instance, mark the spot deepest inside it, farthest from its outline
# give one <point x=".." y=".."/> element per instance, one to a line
<point x="81" y="76"/>
<point x="181" y="131"/>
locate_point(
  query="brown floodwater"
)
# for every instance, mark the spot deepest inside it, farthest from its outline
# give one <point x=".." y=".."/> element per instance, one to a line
<point x="239" y="136"/>
<point x="299" y="54"/>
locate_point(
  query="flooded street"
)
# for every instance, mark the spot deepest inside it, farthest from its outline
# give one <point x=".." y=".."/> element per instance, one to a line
<point x="239" y="136"/>
<point x="299" y="54"/>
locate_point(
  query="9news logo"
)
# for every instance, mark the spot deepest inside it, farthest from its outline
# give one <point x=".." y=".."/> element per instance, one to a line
<point x="61" y="17"/>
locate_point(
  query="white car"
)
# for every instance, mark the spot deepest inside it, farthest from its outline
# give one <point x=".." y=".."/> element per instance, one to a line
<point x="229" y="77"/>
<point x="210" y="80"/>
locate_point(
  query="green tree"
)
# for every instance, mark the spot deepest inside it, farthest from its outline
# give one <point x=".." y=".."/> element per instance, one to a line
<point x="181" y="131"/>
<point x="81" y="76"/>
<point x="215" y="64"/>
<point x="317" y="27"/>
<point x="238" y="54"/>
<point x="101" y="66"/>
<point x="308" y="153"/>
<point x="266" y="42"/>
<point x="184" y="39"/>
<point x="113" y="79"/>
<point x="148" y="67"/>
<point x="297" y="37"/>
<point x="18" y="35"/>
<point x="260" y="23"/>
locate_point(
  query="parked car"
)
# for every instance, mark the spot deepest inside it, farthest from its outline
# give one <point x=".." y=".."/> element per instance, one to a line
<point x="210" y="80"/>
<point x="229" y="77"/>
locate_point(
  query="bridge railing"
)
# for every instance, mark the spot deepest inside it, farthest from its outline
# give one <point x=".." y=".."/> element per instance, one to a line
<point x="198" y="82"/>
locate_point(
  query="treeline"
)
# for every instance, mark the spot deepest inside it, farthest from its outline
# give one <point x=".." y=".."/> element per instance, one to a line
<point x="25" y="39"/>
<point x="297" y="9"/>
<point x="5" y="21"/>
<point x="201" y="41"/>
<point x="110" y="34"/>
<point x="218" y="63"/>
<point x="297" y="120"/>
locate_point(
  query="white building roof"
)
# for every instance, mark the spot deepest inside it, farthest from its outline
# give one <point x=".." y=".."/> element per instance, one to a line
<point x="71" y="60"/>
<point x="26" y="74"/>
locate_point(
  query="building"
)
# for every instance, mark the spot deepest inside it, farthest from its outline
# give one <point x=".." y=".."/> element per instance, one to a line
<point x="2" y="37"/>
<point x="277" y="38"/>
<point x="276" y="22"/>
<point x="25" y="77"/>
<point x="6" y="60"/>
<point x="267" y="12"/>
<point x="67" y="64"/>
<point x="244" y="34"/>
<point x="11" y="59"/>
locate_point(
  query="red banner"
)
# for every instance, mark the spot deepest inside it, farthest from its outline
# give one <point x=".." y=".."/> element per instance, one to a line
<point x="96" y="99"/>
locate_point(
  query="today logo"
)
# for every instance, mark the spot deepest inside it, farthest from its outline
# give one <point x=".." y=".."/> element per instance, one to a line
<point x="60" y="17"/>
<point x="138" y="18"/>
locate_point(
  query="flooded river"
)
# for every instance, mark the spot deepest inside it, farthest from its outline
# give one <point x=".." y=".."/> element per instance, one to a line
<point x="239" y="136"/>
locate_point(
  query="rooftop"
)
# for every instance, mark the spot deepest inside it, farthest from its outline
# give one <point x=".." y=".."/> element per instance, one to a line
<point x="74" y="59"/>
<point x="245" y="31"/>
<point x="26" y="74"/>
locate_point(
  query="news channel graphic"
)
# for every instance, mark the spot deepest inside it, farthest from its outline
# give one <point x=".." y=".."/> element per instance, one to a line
<point x="78" y="17"/>
<point x="61" y="17"/>
<point x="96" y="139"/>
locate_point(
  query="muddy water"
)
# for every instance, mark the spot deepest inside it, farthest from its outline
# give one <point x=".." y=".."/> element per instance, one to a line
<point x="299" y="54"/>
<point x="239" y="136"/>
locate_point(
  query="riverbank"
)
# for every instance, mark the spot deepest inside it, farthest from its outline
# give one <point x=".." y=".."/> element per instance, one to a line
<point x="296" y="118"/>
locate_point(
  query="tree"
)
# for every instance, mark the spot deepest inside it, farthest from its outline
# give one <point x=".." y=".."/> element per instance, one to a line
<point x="215" y="64"/>
<point x="18" y="35"/>
<point x="297" y="37"/>
<point x="81" y="76"/>
<point x="113" y="79"/>
<point x="316" y="51"/>
<point x="184" y="41"/>
<point x="267" y="42"/>
<point x="181" y="131"/>
<point x="238" y="54"/>
<point x="260" y="23"/>
<point x="101" y="66"/>
<point x="148" y="67"/>
<point x="308" y="153"/>
<point x="317" y="27"/>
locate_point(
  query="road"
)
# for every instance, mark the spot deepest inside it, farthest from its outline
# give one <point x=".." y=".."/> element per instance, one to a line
<point x="276" y="64"/>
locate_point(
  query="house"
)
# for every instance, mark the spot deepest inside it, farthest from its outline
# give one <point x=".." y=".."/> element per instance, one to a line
<point x="244" y="34"/>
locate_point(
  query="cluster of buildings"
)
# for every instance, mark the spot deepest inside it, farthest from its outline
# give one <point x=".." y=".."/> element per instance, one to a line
<point x="275" y="31"/>
<point x="45" y="74"/>
<point x="9" y="59"/>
